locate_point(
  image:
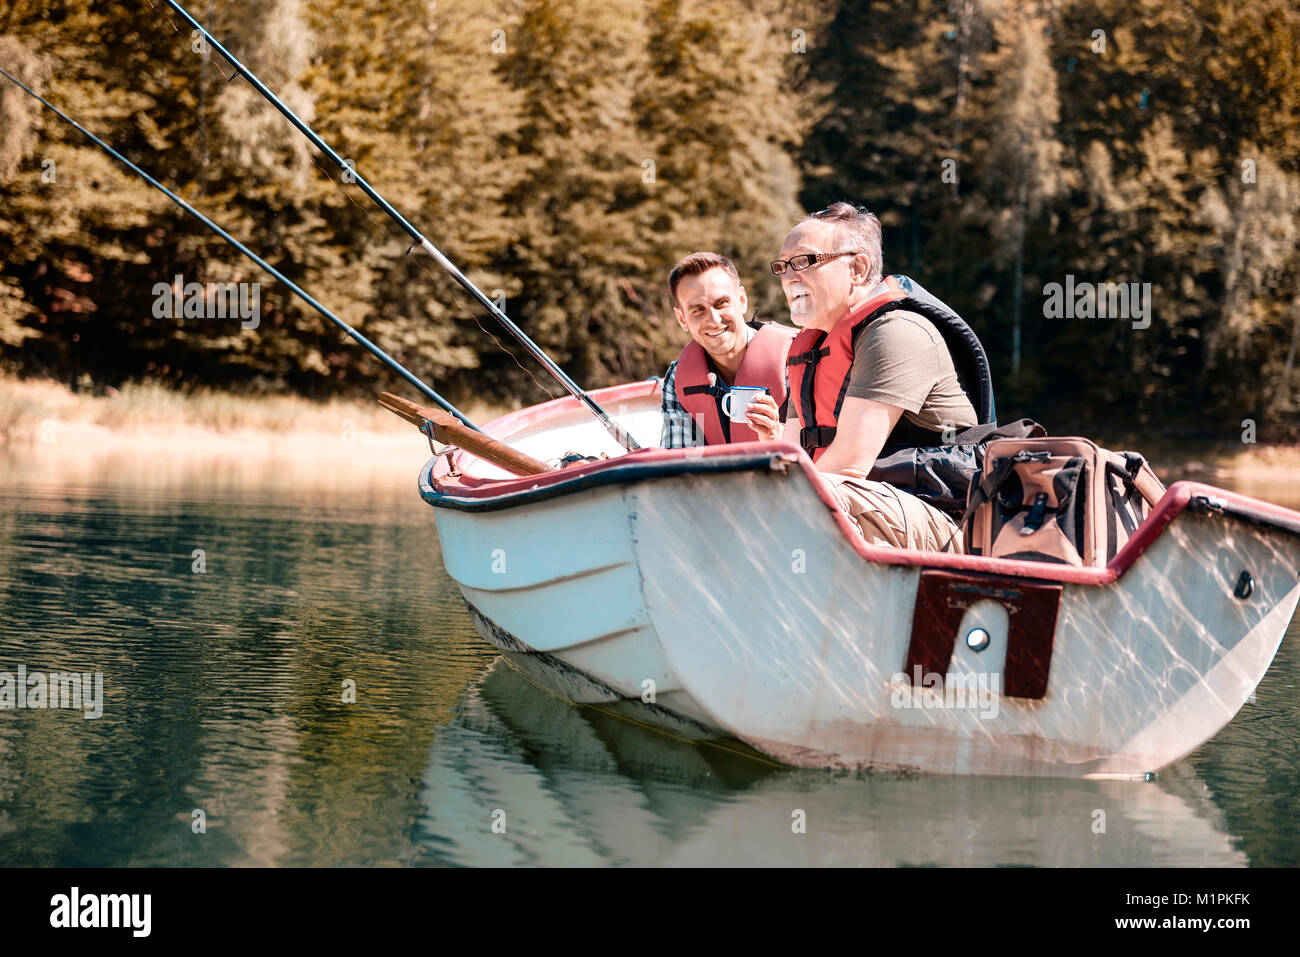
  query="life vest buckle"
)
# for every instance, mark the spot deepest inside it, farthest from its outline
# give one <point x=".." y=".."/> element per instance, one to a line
<point x="812" y="357"/>
<point x="816" y="436"/>
<point x="716" y="391"/>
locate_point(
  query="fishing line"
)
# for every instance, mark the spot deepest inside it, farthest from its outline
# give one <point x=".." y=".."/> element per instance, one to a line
<point x="294" y="287"/>
<point x="619" y="434"/>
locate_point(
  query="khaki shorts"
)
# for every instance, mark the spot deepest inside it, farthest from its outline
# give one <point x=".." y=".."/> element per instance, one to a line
<point x="890" y="517"/>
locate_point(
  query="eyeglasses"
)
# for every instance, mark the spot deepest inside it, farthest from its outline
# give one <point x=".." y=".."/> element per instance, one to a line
<point x="802" y="262"/>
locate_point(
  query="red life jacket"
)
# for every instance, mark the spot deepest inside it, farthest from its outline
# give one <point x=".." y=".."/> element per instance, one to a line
<point x="763" y="365"/>
<point x="820" y="364"/>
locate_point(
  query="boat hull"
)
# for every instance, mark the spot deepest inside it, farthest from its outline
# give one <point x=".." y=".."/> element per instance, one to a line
<point x="560" y="677"/>
<point x="1142" y="669"/>
<point x="718" y="592"/>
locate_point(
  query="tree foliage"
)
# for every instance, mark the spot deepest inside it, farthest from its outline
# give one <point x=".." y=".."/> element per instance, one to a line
<point x="1146" y="142"/>
<point x="565" y="154"/>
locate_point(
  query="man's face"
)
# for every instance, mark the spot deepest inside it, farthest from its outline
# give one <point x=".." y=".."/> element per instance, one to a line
<point x="820" y="295"/>
<point x="711" y="308"/>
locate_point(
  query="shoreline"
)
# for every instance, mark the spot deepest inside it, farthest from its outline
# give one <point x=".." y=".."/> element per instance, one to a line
<point x="47" y="421"/>
<point x="152" y="435"/>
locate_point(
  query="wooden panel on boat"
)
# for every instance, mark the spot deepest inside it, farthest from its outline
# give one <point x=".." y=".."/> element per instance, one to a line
<point x="942" y="599"/>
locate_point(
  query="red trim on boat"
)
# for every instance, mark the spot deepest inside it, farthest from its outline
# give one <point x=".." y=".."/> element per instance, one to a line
<point x="470" y="489"/>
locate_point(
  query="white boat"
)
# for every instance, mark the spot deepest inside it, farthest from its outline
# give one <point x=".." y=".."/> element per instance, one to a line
<point x="717" y="592"/>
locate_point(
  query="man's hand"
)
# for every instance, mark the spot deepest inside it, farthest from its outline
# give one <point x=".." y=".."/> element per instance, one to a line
<point x="764" y="418"/>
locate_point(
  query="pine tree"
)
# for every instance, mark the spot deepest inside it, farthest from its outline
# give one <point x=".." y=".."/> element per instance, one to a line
<point x="413" y="93"/>
<point x="718" y="105"/>
<point x="577" y="264"/>
<point x="1022" y="170"/>
<point x="1148" y="129"/>
<point x="75" y="221"/>
<point x="902" y="132"/>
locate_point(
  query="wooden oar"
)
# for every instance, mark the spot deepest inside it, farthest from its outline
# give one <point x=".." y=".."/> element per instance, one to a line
<point x="447" y="429"/>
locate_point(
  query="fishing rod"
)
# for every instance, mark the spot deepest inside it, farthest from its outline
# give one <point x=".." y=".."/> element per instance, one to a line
<point x="301" y="293"/>
<point x="620" y="435"/>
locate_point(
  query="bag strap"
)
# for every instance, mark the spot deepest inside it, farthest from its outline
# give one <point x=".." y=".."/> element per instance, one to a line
<point x="1134" y="474"/>
<point x="987" y="487"/>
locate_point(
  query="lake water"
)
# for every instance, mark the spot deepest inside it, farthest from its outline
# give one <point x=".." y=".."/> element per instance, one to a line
<point x="225" y="738"/>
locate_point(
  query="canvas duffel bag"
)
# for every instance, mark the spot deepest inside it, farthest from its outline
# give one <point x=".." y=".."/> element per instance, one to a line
<point x="1057" y="500"/>
<point x="942" y="475"/>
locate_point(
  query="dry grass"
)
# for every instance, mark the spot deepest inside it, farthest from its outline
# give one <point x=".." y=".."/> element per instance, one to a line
<point x="20" y="415"/>
<point x="147" y="435"/>
<point x="151" y="406"/>
<point x="153" y="409"/>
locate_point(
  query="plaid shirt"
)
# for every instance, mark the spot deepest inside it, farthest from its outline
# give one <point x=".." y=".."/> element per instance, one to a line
<point x="679" y="430"/>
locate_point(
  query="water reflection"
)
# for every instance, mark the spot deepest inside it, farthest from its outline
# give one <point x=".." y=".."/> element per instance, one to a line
<point x="224" y="688"/>
<point x="578" y="787"/>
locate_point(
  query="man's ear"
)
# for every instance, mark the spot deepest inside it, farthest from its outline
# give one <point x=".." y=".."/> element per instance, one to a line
<point x="744" y="302"/>
<point x="861" y="268"/>
<point x="681" y="321"/>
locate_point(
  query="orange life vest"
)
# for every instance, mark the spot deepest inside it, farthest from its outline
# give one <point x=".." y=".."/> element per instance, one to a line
<point x="763" y="365"/>
<point x="821" y="362"/>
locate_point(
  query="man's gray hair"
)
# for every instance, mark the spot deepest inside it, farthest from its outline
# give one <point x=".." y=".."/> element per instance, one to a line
<point x="856" y="231"/>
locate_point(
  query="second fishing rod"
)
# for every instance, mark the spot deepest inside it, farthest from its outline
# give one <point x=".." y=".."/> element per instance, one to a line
<point x="621" y="435"/>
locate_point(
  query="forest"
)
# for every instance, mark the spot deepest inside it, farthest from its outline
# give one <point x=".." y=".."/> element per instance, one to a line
<point x="566" y="154"/>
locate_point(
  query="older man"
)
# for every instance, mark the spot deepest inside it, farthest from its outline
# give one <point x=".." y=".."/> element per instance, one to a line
<point x="870" y="368"/>
<point x="725" y="351"/>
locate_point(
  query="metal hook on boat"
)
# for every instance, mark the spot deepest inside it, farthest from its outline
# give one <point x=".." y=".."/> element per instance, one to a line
<point x="448" y="450"/>
<point x="1207" y="503"/>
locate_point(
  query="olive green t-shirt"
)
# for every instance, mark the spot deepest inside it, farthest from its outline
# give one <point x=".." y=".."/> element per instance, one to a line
<point x="901" y="359"/>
